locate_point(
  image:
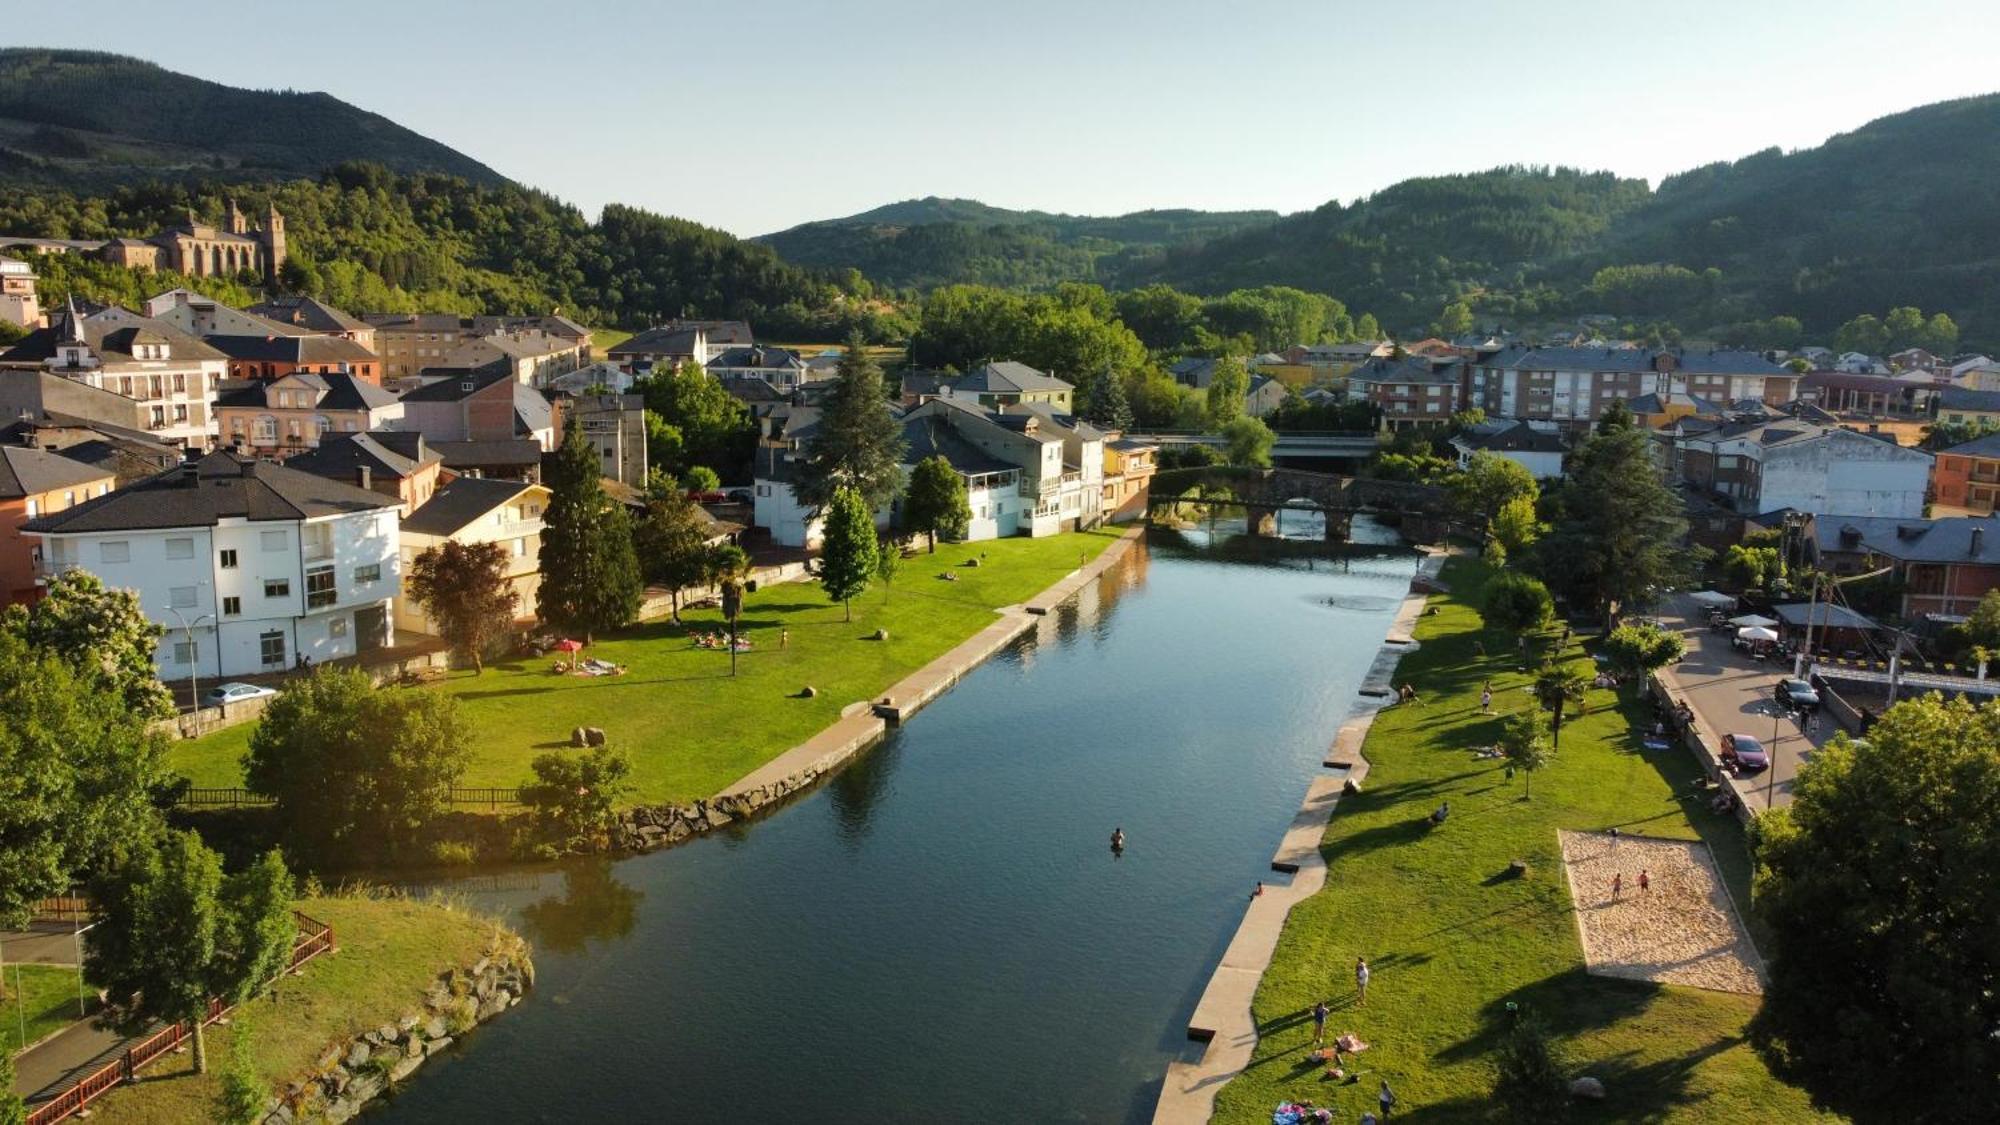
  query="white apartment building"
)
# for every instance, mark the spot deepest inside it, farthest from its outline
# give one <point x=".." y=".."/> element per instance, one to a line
<point x="167" y="377"/>
<point x="249" y="565"/>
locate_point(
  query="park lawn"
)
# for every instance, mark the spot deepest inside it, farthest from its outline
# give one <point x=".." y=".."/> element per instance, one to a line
<point x="689" y="728"/>
<point x="44" y="994"/>
<point x="1450" y="941"/>
<point x="389" y="951"/>
<point x="604" y="339"/>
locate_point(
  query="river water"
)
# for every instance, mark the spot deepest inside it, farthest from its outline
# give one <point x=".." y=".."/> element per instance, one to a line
<point x="941" y="932"/>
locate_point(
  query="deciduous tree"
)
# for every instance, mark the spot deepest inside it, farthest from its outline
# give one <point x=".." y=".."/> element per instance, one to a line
<point x="935" y="503"/>
<point x="1489" y="483"/>
<point x="1635" y="650"/>
<point x="465" y="590"/>
<point x="1248" y="441"/>
<point x="1530" y="1079"/>
<point x="104" y="632"/>
<point x="1525" y="745"/>
<point x="888" y="560"/>
<point x="1226" y="391"/>
<point x="1516" y="526"/>
<point x="671" y="540"/>
<point x="575" y="797"/>
<point x="590" y="574"/>
<point x="847" y="551"/>
<point x="1516" y="603"/>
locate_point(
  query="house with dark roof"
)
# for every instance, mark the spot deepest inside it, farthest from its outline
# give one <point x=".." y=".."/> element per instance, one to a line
<point x="1962" y="407"/>
<point x="484" y="404"/>
<point x="272" y="356"/>
<point x="127" y="455"/>
<point x="34" y="483"/>
<point x="1007" y="383"/>
<point x="1761" y="466"/>
<point x="397" y="464"/>
<point x="1410" y="390"/>
<point x="249" y="565"/>
<point x="1966" y="477"/>
<point x="1573" y="385"/>
<point x="294" y="413"/>
<point x="1266" y="395"/>
<point x="677" y="342"/>
<point x="992" y="486"/>
<point x="1943" y="566"/>
<point x="472" y="510"/>
<point x="132" y="370"/>
<point x="781" y="368"/>
<point x="314" y="315"/>
<point x="1535" y="446"/>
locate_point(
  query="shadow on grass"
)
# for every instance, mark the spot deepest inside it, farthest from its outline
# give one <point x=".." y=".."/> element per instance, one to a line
<point x="1572" y="1003"/>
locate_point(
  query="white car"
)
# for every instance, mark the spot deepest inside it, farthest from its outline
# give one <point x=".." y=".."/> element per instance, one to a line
<point x="235" y="693"/>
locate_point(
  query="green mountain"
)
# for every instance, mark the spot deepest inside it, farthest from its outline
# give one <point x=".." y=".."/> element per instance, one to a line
<point x="87" y="120"/>
<point x="924" y="243"/>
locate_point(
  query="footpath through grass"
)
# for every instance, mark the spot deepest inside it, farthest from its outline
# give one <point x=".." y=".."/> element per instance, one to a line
<point x="1451" y="941"/>
<point x="36" y="1001"/>
<point x="390" y="951"/>
<point x="691" y="729"/>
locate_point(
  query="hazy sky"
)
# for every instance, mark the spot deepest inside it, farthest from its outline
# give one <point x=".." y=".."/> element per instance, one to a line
<point x="753" y="116"/>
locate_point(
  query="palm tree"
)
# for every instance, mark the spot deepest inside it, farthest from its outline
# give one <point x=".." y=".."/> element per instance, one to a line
<point x="1556" y="686"/>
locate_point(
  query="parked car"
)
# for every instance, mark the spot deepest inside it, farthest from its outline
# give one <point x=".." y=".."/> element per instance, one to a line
<point x="741" y="496"/>
<point x="236" y="692"/>
<point x="1798" y="695"/>
<point x="1745" y="752"/>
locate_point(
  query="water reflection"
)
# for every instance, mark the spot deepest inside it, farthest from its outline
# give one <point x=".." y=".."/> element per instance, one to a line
<point x="856" y="790"/>
<point x="595" y="906"/>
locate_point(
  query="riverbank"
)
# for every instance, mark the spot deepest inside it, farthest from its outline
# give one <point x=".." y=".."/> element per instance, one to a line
<point x="401" y="966"/>
<point x="691" y="728"/>
<point x="1455" y="941"/>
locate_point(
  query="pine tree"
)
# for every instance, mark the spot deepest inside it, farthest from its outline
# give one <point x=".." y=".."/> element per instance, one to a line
<point x="1110" y="409"/>
<point x="847" y="553"/>
<point x="590" y="573"/>
<point x="859" y="444"/>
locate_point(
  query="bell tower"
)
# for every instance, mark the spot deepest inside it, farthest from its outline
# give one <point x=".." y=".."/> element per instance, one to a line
<point x="237" y="223"/>
<point x="273" y="237"/>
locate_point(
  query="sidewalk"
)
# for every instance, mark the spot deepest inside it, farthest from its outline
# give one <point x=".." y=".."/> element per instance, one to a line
<point x="58" y="1062"/>
<point x="1733" y="694"/>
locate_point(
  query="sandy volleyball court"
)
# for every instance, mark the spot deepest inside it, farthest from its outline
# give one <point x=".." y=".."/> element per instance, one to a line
<point x="1683" y="929"/>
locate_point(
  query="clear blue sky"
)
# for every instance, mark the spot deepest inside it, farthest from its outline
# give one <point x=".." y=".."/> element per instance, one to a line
<point x="753" y="116"/>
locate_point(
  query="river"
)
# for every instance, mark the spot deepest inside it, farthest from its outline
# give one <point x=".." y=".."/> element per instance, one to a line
<point x="941" y="932"/>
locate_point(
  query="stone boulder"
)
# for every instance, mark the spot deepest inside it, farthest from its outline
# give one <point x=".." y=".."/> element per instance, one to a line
<point x="357" y="1056"/>
<point x="1587" y="1087"/>
<point x="593" y="736"/>
<point x="576" y="736"/>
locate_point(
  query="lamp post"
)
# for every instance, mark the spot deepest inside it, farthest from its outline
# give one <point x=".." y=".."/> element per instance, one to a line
<point x="82" y="1009"/>
<point x="1771" y="766"/>
<point x="194" y="665"/>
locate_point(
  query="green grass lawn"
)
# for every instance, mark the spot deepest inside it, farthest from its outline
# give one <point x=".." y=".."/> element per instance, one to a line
<point x="604" y="339"/>
<point x="390" y="950"/>
<point x="1451" y="941"/>
<point x="44" y="994"/>
<point x="691" y="729"/>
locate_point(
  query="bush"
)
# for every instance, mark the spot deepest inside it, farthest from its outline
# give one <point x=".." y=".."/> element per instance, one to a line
<point x="574" y="796"/>
<point x="1517" y="603"/>
<point x="1634" y="650"/>
<point x="1529" y="1082"/>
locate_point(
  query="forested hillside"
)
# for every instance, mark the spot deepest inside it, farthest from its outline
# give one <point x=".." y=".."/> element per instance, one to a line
<point x="367" y="239"/>
<point x="89" y="120"/>
<point x="924" y="243"/>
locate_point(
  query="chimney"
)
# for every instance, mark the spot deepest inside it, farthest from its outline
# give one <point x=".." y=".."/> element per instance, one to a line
<point x="367" y="476"/>
<point x="1978" y="533"/>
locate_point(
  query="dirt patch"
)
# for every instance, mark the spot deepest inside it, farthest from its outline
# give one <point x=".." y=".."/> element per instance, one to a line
<point x="1680" y="929"/>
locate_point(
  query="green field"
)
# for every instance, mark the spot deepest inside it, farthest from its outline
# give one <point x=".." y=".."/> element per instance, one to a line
<point x="49" y="1004"/>
<point x="1452" y="941"/>
<point x="604" y="339"/>
<point x="691" y="729"/>
<point x="390" y="952"/>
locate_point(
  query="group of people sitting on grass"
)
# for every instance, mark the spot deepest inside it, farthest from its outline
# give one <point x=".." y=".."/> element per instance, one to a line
<point x="591" y="667"/>
<point x="721" y="641"/>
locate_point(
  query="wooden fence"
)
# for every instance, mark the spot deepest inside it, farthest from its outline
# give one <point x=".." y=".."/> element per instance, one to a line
<point x="315" y="937"/>
<point x="214" y="798"/>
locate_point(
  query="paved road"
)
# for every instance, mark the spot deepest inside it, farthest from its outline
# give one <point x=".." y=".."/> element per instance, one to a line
<point x="41" y="943"/>
<point x="1733" y="694"/>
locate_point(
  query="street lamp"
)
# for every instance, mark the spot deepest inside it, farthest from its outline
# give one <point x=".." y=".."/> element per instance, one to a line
<point x="1771" y="759"/>
<point x="194" y="665"/>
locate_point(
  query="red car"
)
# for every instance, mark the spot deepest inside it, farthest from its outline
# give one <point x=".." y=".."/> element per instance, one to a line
<point x="1745" y="752"/>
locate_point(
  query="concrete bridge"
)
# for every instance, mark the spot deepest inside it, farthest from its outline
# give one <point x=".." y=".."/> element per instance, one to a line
<point x="1425" y="510"/>
<point x="1353" y="445"/>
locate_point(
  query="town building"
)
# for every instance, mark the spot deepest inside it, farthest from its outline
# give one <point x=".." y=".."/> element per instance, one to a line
<point x="19" y="304"/>
<point x="1942" y="566"/>
<point x="1266" y="394"/>
<point x="676" y="342"/>
<point x="1408" y="391"/>
<point x="1007" y="383"/>
<point x="780" y="367"/>
<point x="294" y="413"/>
<point x="194" y="248"/>
<point x="34" y="483"/>
<point x="1060" y="458"/>
<point x="488" y="404"/>
<point x="249" y="566"/>
<point x="1535" y="446"/>
<point x="615" y="426"/>
<point x="152" y="377"/>
<point x="1966" y="477"/>
<point x="125" y="455"/>
<point x="1574" y="385"/>
<point x="473" y="510"/>
<point x="992" y="486"/>
<point x="536" y="358"/>
<point x="273" y="357"/>
<point x="1129" y="466"/>
<point x="1765" y="466"/>
<point x="398" y="464"/>
<point x="312" y="315"/>
<point x="1962" y="407"/>
<point x="410" y="342"/>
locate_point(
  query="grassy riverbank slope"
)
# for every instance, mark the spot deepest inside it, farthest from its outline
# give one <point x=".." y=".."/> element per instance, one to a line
<point x="1451" y="941"/>
<point x="390" y="951"/>
<point x="691" y="729"/>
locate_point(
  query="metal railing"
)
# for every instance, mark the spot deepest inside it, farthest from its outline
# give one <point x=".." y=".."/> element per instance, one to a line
<point x="315" y="937"/>
<point x="492" y="797"/>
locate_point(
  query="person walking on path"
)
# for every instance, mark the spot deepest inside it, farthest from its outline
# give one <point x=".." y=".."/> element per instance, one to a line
<point x="1486" y="699"/>
<point x="1644" y="882"/>
<point x="1385" y="1099"/>
<point x="1319" y="1021"/>
<point x="1617" y="883"/>
<point x="1361" y="981"/>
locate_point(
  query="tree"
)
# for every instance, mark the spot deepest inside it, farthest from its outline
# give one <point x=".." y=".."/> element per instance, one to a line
<point x="1489" y="483"/>
<point x="1110" y="408"/>
<point x="700" y="478"/>
<point x="700" y="423"/>
<point x="1524" y="743"/>
<point x="1982" y="625"/>
<point x="172" y="932"/>
<point x="1456" y="320"/>
<point x="1864" y="334"/>
<point x="1617" y="537"/>
<point x="888" y="560"/>
<point x="1227" y="388"/>
<point x="1879" y="884"/>
<point x="1248" y="441"/>
<point x="574" y="798"/>
<point x="354" y="771"/>
<point x="671" y="541"/>
<point x="13" y="1111"/>
<point x="1516" y="603"/>
<point x="935" y="502"/>
<point x="77" y="767"/>
<point x="859" y="444"/>
<point x="1754" y="568"/>
<point x="244" y="1094"/>
<point x="1903" y="326"/>
<point x="1516" y="526"/>
<point x="103" y="632"/>
<point x="590" y="575"/>
<point x="464" y="588"/>
<point x="847" y="552"/>
<point x="1529" y="1070"/>
<point x="1559" y="684"/>
<point x="1635" y="650"/>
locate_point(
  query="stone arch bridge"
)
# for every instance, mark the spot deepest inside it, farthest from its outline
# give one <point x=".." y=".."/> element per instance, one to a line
<point x="1424" y="509"/>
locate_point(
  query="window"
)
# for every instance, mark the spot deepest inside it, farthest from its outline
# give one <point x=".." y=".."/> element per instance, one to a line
<point x="34" y="508"/>
<point x="186" y="652"/>
<point x="319" y="587"/>
<point x="227" y="559"/>
<point x="181" y="415"/>
<point x="277" y="587"/>
<point x="763" y="490"/>
<point x="69" y="499"/>
<point x="159" y="417"/>
<point x="336" y="627"/>
<point x="232" y="606"/>
<point x="366" y="574"/>
<point x="114" y="551"/>
<point x="520" y="548"/>
<point x="267" y="428"/>
<point x="180" y="548"/>
<point x="271" y="647"/>
<point x="181" y="597"/>
<point x="273" y="540"/>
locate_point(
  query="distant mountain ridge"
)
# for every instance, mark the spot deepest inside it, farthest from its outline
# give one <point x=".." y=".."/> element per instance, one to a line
<point x="87" y="120"/>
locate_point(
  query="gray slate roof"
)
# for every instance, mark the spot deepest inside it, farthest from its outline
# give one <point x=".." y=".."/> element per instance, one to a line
<point x="205" y="492"/>
<point x="457" y="504"/>
<point x="341" y="456"/>
<point x="1962" y="398"/>
<point x="26" y="472"/>
<point x="930" y="436"/>
<point x="1008" y="377"/>
<point x="1985" y="445"/>
<point x="337" y="391"/>
<point x="1822" y="615"/>
<point x="1948" y="539"/>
